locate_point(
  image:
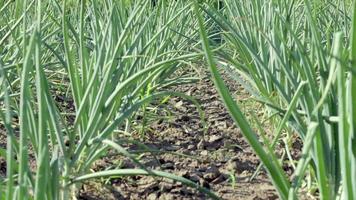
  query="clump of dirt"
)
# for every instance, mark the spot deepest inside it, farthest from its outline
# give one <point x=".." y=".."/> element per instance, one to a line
<point x="3" y="146"/>
<point x="216" y="157"/>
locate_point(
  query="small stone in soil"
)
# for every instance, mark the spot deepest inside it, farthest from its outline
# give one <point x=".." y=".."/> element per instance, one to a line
<point x="152" y="196"/>
<point x="166" y="196"/>
<point x="194" y="164"/>
<point x="212" y="173"/>
<point x="179" y="104"/>
<point x="194" y="178"/>
<point x="168" y="165"/>
<point x="191" y="147"/>
<point x="183" y="173"/>
<point x="215" y="138"/>
<point x="149" y="182"/>
<point x="232" y="165"/>
<point x="204" y="153"/>
<point x="186" y="191"/>
<point x="164" y="186"/>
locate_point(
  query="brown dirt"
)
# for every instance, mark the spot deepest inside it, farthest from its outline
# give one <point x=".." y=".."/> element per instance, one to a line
<point x="214" y="157"/>
<point x="3" y="146"/>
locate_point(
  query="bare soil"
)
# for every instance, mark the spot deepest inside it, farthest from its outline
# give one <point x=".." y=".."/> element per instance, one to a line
<point x="218" y="158"/>
<point x="214" y="155"/>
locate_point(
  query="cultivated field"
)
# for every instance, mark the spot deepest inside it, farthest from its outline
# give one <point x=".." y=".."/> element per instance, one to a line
<point x="163" y="99"/>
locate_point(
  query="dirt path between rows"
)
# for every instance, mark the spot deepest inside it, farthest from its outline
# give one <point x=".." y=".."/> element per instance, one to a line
<point x="219" y="159"/>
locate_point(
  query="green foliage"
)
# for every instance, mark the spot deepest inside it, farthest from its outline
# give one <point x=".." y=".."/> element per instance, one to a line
<point x="297" y="50"/>
<point x="106" y="60"/>
<point x="102" y="55"/>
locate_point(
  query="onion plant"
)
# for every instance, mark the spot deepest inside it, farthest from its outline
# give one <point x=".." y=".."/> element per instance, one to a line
<point x="303" y="53"/>
<point x="108" y="57"/>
